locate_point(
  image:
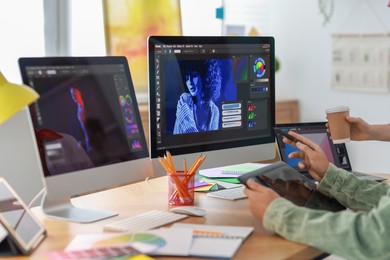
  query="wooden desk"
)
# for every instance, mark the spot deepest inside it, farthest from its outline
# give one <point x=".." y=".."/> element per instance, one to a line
<point x="152" y="194"/>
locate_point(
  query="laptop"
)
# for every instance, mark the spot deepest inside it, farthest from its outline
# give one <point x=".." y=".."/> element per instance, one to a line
<point x="316" y="131"/>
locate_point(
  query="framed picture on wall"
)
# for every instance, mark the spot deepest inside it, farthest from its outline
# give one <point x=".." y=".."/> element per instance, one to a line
<point x="360" y="62"/>
<point x="129" y="23"/>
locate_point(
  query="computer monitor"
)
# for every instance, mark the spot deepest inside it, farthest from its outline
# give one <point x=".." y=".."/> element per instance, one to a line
<point x="87" y="128"/>
<point x="211" y="95"/>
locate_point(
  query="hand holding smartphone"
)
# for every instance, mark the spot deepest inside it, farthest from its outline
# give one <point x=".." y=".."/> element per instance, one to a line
<point x="290" y="137"/>
<point x="285" y="134"/>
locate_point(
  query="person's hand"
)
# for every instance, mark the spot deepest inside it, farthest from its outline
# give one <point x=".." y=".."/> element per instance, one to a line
<point x="314" y="158"/>
<point x="359" y="129"/>
<point x="184" y="105"/>
<point x="185" y="100"/>
<point x="259" y="198"/>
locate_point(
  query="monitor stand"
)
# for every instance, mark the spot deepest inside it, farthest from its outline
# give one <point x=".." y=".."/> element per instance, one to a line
<point x="64" y="210"/>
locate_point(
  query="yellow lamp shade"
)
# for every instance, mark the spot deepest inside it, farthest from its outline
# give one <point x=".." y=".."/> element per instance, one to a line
<point x="14" y="97"/>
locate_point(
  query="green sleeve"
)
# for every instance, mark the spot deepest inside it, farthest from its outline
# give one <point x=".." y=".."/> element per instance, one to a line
<point x="349" y="234"/>
<point x="352" y="235"/>
<point x="350" y="191"/>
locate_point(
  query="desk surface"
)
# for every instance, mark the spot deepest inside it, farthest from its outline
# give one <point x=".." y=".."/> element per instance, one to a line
<point x="152" y="194"/>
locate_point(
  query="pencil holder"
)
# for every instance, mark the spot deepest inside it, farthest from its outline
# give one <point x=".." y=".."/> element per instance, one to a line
<point x="180" y="189"/>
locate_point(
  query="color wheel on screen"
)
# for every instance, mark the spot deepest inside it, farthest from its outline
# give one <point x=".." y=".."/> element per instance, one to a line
<point x="259" y="67"/>
<point x="141" y="241"/>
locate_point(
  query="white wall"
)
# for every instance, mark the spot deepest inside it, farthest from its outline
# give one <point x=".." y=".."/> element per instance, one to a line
<point x="303" y="45"/>
<point x="198" y="17"/>
<point x="87" y="26"/>
<point x="21" y="27"/>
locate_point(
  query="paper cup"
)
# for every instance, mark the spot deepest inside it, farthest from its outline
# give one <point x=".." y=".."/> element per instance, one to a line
<point x="338" y="125"/>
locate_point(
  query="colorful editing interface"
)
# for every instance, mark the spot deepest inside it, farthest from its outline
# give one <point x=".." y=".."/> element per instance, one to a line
<point x="319" y="138"/>
<point x="85" y="117"/>
<point x="336" y="153"/>
<point x="212" y="94"/>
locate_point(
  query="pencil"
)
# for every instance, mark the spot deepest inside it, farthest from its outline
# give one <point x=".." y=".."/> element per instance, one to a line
<point x="193" y="165"/>
<point x="171" y="162"/>
<point x="197" y="164"/>
<point x="185" y="166"/>
<point x="164" y="164"/>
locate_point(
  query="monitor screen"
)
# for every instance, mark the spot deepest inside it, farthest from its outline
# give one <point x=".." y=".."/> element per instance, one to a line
<point x="211" y="94"/>
<point x="86" y="123"/>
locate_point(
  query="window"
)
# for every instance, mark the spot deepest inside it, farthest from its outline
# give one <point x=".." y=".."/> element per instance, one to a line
<point x="22" y="34"/>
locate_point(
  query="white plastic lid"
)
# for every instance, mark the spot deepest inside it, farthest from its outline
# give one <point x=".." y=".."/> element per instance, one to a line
<point x="337" y="109"/>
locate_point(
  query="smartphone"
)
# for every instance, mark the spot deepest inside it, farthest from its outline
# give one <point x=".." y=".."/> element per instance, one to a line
<point x="290" y="137"/>
<point x="285" y="134"/>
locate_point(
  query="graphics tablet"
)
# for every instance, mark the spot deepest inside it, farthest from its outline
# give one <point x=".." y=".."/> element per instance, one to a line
<point x="25" y="232"/>
<point x="293" y="186"/>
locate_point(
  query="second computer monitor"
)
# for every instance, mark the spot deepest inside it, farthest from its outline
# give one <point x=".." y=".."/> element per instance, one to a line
<point x="87" y="129"/>
<point x="212" y="95"/>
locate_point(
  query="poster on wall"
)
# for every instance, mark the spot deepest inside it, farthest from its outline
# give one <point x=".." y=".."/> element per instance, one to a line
<point x="129" y="23"/>
<point x="361" y="62"/>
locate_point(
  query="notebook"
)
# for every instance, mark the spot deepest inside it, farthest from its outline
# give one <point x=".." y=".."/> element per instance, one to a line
<point x="316" y="131"/>
<point x="215" y="241"/>
<point x="230" y="171"/>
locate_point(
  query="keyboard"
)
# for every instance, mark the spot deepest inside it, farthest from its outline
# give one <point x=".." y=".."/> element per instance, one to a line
<point x="366" y="176"/>
<point x="229" y="194"/>
<point x="145" y="221"/>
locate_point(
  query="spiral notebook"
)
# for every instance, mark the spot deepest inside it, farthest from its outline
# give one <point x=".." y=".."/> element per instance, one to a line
<point x="214" y="241"/>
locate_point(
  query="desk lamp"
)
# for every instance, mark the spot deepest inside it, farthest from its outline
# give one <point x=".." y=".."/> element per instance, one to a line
<point x="13" y="98"/>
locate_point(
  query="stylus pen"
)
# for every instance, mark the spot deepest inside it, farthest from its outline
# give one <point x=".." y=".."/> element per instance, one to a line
<point x="290" y="137"/>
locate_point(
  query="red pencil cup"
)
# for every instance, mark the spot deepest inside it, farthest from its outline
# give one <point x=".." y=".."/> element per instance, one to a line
<point x="180" y="189"/>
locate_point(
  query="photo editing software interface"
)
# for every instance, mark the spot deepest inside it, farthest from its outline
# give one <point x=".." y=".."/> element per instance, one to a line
<point x="316" y="132"/>
<point x="85" y="117"/>
<point x="211" y="96"/>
